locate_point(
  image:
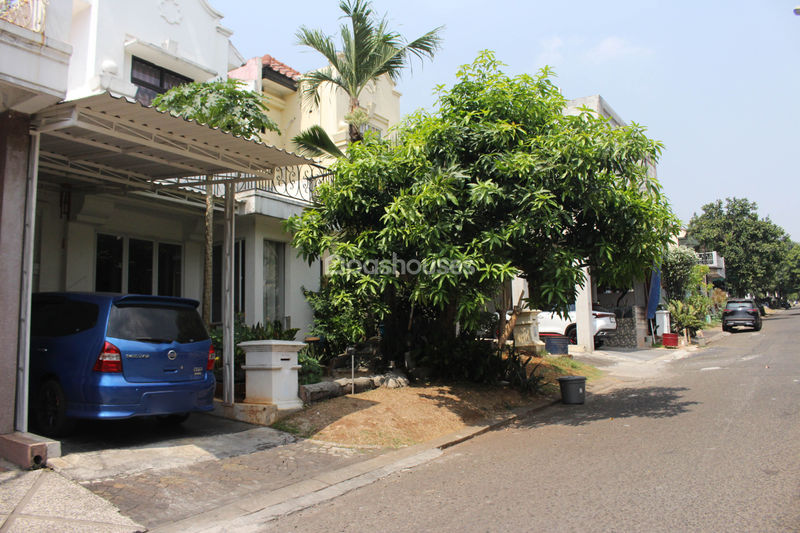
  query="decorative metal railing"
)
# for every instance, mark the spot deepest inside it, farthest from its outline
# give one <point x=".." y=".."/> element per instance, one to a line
<point x="295" y="182"/>
<point x="26" y="13"/>
<point x="298" y="183"/>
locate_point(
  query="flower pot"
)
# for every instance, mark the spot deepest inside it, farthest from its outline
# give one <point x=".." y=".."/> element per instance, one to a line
<point x="670" y="340"/>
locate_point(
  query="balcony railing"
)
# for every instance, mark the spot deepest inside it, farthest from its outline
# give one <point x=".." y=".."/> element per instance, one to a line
<point x="294" y="182"/>
<point x="712" y="259"/>
<point x="25" y="13"/>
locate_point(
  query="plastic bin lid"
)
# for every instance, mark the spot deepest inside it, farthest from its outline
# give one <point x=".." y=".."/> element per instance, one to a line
<point x="572" y="378"/>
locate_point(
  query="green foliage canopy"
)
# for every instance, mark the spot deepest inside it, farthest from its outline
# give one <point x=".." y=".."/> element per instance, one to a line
<point x="500" y="182"/>
<point x="754" y="248"/>
<point x="676" y="270"/>
<point x="221" y="104"/>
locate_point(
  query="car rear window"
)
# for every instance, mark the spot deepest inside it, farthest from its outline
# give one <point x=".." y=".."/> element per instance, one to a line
<point x="739" y="305"/>
<point x="156" y="323"/>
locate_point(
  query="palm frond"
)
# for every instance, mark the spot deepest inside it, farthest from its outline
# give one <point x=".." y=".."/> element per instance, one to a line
<point x="315" y="142"/>
<point x="369" y="49"/>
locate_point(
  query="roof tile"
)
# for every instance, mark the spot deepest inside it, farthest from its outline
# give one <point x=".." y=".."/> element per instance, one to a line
<point x="281" y="68"/>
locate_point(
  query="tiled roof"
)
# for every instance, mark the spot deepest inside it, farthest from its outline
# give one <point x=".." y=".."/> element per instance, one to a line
<point x="281" y="68"/>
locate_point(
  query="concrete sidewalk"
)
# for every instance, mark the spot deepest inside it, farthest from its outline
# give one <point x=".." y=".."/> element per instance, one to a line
<point x="41" y="500"/>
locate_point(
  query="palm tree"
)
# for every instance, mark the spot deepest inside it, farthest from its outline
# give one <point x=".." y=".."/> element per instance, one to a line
<point x="368" y="50"/>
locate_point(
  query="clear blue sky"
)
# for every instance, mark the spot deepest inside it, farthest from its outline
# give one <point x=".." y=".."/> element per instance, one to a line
<point x="718" y="82"/>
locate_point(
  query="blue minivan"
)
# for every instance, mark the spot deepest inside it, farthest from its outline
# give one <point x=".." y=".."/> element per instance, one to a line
<point x="110" y="356"/>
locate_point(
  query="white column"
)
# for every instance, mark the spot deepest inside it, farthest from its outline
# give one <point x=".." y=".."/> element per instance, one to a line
<point x="519" y="290"/>
<point x="227" y="297"/>
<point x="23" y="352"/>
<point x="583" y="313"/>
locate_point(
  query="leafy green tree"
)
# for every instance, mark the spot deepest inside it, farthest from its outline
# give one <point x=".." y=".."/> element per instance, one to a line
<point x="676" y="271"/>
<point x="753" y="247"/>
<point x="497" y="182"/>
<point x="368" y="49"/>
<point x="789" y="271"/>
<point x="221" y="104"/>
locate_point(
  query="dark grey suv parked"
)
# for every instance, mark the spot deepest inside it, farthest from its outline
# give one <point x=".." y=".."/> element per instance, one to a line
<point x="741" y="312"/>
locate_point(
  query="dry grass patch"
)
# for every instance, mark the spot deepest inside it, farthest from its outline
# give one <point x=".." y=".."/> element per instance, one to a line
<point x="401" y="417"/>
<point x="392" y="418"/>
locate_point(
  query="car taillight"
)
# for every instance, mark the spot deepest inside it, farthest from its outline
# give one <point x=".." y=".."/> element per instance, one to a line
<point x="109" y="360"/>
<point x="212" y="357"/>
<point x="753" y="310"/>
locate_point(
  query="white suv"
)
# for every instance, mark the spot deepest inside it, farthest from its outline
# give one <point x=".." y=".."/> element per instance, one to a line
<point x="604" y="323"/>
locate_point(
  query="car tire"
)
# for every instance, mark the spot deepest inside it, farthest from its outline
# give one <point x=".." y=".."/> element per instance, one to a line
<point x="572" y="334"/>
<point x="173" y="420"/>
<point x="757" y="327"/>
<point x="50" y="410"/>
<point x="598" y="343"/>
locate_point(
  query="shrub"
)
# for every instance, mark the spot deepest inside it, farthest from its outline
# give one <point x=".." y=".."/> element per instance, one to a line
<point x="337" y="322"/>
<point x="685" y="315"/>
<point x="310" y="367"/>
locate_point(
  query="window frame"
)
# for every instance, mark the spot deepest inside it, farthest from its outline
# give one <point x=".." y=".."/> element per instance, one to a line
<point x="160" y="89"/>
<point x="125" y="270"/>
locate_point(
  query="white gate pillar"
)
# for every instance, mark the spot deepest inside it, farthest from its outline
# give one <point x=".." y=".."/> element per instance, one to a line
<point x="583" y="313"/>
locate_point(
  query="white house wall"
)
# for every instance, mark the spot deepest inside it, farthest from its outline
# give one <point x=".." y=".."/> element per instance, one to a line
<point x="184" y="36"/>
<point x="254" y="229"/>
<point x="66" y="249"/>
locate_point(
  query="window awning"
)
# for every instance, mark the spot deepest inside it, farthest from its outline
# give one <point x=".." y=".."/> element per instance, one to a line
<point x="112" y="141"/>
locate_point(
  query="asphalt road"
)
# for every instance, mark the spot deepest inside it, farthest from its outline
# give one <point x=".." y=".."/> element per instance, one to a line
<point x="713" y="445"/>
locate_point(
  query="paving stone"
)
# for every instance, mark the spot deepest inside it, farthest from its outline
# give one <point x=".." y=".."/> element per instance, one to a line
<point x="14" y="485"/>
<point x="29" y="524"/>
<point x="60" y="498"/>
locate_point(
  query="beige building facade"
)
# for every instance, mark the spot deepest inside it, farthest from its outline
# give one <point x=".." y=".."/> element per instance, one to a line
<point x="293" y="112"/>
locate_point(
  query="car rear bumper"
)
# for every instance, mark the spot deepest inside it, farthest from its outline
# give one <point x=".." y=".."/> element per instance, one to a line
<point x="113" y="397"/>
<point x="752" y="322"/>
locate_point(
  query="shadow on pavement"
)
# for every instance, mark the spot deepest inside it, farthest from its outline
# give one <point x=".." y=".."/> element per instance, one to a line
<point x="96" y="435"/>
<point x="647" y="402"/>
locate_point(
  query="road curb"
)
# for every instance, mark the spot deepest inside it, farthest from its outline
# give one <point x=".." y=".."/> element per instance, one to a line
<point x="250" y="514"/>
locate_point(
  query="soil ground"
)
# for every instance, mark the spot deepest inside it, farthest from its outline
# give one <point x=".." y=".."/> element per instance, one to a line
<point x="392" y="418"/>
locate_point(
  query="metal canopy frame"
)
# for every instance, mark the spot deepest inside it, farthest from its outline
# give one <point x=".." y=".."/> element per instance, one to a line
<point x="104" y="143"/>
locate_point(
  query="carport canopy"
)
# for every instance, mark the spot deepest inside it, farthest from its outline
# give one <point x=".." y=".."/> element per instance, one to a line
<point x="113" y="141"/>
<point x="106" y="143"/>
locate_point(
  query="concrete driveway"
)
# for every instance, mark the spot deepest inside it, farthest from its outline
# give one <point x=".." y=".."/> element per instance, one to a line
<point x="104" y="449"/>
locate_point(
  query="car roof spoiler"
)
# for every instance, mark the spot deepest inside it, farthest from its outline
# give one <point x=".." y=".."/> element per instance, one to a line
<point x="143" y="299"/>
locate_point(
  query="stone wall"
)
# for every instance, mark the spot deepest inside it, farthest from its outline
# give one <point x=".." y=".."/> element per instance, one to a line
<point x="631" y="331"/>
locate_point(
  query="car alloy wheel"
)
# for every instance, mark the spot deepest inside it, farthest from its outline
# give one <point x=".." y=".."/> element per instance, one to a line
<point x="51" y="409"/>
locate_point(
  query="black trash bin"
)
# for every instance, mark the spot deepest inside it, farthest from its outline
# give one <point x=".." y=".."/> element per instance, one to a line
<point x="573" y="389"/>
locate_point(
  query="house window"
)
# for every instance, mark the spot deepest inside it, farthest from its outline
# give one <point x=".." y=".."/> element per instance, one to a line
<point x="370" y="128"/>
<point x="136" y="266"/>
<point x="169" y="269"/>
<point x="108" y="263"/>
<point x="217" y="282"/>
<point x="140" y="266"/>
<point x="153" y="80"/>
<point x="273" y="280"/>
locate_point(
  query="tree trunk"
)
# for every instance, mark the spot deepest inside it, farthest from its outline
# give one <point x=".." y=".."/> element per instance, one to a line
<point x="208" y="257"/>
<point x="352" y="130"/>
<point x="505" y="333"/>
<point x="393" y="340"/>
